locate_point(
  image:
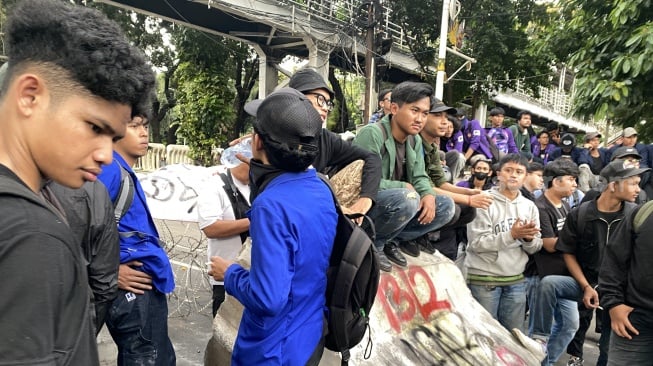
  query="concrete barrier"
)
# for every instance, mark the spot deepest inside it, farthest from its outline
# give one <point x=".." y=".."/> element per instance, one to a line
<point x="423" y="315"/>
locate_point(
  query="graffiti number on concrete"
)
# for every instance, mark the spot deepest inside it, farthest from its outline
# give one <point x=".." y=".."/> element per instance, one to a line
<point x="399" y="298"/>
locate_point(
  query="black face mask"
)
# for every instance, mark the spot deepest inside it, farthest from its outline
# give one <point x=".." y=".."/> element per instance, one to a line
<point x="480" y="175"/>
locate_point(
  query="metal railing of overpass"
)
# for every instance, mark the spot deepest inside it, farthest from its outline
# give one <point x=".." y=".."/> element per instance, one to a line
<point x="343" y="12"/>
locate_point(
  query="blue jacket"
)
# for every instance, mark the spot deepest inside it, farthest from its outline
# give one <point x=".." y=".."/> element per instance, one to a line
<point x="143" y="246"/>
<point x="293" y="222"/>
<point x="575" y="154"/>
<point x="586" y="158"/>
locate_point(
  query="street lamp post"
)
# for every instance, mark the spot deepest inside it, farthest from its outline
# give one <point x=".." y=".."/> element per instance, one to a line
<point x="442" y="50"/>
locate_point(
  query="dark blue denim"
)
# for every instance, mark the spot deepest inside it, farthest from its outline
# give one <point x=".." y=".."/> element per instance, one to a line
<point x="139" y="326"/>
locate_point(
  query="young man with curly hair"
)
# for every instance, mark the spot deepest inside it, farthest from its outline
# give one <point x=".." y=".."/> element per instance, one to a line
<point x="72" y="84"/>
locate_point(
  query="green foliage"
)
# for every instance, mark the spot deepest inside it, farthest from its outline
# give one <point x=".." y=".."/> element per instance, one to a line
<point x="205" y="109"/>
<point x="499" y="34"/>
<point x="612" y="56"/>
<point x="215" y="78"/>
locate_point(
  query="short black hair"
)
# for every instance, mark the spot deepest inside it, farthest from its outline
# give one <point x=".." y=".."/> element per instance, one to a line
<point x="497" y="111"/>
<point x="81" y="47"/>
<point x="534" y="166"/>
<point x="513" y="158"/>
<point x="522" y="113"/>
<point x="559" y="168"/>
<point x="539" y="134"/>
<point x="383" y="93"/>
<point x="410" y="92"/>
<point x="552" y="126"/>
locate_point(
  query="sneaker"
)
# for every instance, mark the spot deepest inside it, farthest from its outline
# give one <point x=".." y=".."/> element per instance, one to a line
<point x="575" y="361"/>
<point x="537" y="347"/>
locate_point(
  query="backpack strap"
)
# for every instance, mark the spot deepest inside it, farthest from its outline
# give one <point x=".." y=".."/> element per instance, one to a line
<point x="643" y="212"/>
<point x="238" y="202"/>
<point x="125" y="195"/>
<point x="580" y="220"/>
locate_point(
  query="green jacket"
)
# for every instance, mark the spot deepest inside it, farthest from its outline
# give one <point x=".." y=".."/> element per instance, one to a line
<point x="522" y="141"/>
<point x="370" y="137"/>
<point x="433" y="164"/>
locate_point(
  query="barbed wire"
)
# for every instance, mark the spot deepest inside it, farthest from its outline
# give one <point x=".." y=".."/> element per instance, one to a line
<point x="186" y="246"/>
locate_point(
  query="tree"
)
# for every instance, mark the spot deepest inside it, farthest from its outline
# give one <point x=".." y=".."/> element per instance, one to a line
<point x="148" y="34"/>
<point x="611" y="46"/>
<point x="498" y="35"/>
<point x="215" y="78"/>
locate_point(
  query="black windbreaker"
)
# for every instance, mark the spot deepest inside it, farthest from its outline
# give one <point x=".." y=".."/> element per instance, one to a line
<point x="44" y="307"/>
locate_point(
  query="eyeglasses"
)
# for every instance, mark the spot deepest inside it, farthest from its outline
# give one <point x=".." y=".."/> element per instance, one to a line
<point x="322" y="101"/>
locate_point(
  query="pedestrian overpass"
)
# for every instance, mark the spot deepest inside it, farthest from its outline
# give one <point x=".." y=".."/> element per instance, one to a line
<point x="325" y="32"/>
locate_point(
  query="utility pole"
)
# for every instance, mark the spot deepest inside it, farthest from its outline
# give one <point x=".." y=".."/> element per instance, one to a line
<point x="442" y="50"/>
<point x="369" y="60"/>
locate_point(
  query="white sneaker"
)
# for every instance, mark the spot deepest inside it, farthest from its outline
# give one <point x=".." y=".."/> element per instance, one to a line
<point x="537" y="347"/>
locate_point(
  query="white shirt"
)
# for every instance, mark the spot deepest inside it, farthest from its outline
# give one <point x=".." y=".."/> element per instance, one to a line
<point x="213" y="204"/>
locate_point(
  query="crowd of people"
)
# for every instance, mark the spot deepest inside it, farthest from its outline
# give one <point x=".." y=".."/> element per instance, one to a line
<point x="550" y="231"/>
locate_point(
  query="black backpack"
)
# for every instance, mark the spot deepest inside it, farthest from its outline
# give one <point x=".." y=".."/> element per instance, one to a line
<point x="352" y="280"/>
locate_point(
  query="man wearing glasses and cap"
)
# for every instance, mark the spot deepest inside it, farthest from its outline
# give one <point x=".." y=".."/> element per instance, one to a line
<point x="335" y="154"/>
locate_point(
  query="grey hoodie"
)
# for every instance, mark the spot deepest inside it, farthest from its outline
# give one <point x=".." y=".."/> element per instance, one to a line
<point x="491" y="250"/>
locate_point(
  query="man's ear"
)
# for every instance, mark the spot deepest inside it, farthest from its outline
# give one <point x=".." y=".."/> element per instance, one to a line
<point x="394" y="107"/>
<point x="257" y="142"/>
<point x="30" y="93"/>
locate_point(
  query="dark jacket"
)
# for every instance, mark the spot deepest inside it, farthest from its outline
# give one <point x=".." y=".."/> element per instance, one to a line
<point x="575" y="154"/>
<point x="586" y="158"/>
<point x="45" y="295"/>
<point x="335" y="154"/>
<point x="589" y="245"/>
<point x="626" y="275"/>
<point x="90" y="215"/>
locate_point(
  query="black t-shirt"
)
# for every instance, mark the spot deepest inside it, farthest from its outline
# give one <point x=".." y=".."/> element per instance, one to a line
<point x="597" y="165"/>
<point x="552" y="220"/>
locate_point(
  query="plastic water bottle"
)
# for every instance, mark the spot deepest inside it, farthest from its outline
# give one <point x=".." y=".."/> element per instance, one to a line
<point x="228" y="157"/>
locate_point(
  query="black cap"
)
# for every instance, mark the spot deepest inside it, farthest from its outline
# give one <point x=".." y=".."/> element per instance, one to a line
<point x="624" y="151"/>
<point x="497" y="111"/>
<point x="438" y="106"/>
<point x="460" y="112"/>
<point x="306" y="80"/>
<point x="567" y="141"/>
<point x="620" y="169"/>
<point x="286" y="116"/>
